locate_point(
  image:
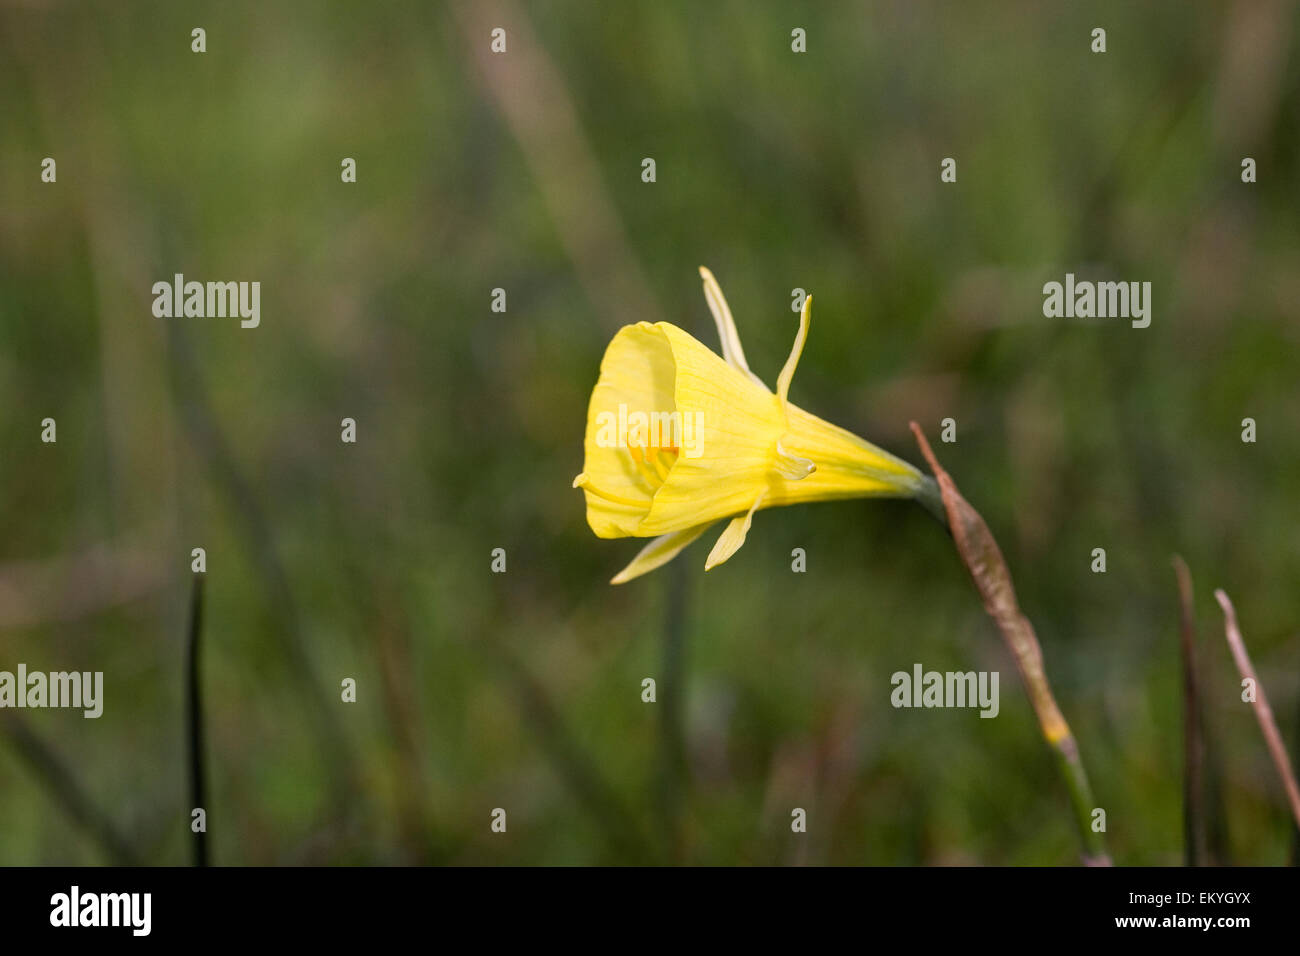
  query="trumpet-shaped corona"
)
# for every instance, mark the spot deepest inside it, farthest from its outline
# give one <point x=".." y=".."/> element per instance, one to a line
<point x="679" y="438"/>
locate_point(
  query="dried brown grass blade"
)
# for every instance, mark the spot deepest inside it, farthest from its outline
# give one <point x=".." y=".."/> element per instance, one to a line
<point x="983" y="558"/>
<point x="1263" y="712"/>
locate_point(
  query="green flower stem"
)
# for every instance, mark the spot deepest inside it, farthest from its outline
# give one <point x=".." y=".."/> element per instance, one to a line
<point x="931" y="499"/>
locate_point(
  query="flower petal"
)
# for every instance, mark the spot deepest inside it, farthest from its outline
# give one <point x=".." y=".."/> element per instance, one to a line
<point x="637" y="372"/>
<point x="847" y="466"/>
<point x="659" y="552"/>
<point x="733" y="536"/>
<point x="787" y="373"/>
<point x="727" y="459"/>
<point x="731" y="350"/>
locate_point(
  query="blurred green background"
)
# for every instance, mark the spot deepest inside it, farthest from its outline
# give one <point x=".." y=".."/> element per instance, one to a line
<point x="523" y="171"/>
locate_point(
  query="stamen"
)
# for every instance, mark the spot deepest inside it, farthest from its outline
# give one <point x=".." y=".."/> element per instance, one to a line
<point x="649" y="465"/>
<point x="659" y="468"/>
<point x="583" y="482"/>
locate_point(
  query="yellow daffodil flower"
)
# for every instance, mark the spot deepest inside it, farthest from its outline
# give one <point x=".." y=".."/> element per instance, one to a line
<point x="679" y="438"/>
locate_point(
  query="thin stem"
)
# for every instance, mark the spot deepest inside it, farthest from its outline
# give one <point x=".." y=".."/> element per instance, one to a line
<point x="672" y="744"/>
<point x="1295" y="831"/>
<point x="1263" y="712"/>
<point x="55" y="773"/>
<point x="194" y="720"/>
<point x="1193" y="742"/>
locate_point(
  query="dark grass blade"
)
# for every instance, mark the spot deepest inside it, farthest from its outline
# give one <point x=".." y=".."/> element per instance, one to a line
<point x="1193" y="734"/>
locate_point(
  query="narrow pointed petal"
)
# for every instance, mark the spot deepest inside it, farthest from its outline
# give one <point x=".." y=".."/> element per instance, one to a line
<point x="731" y="350"/>
<point x="733" y="536"/>
<point x="659" y="552"/>
<point x="787" y="373"/>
